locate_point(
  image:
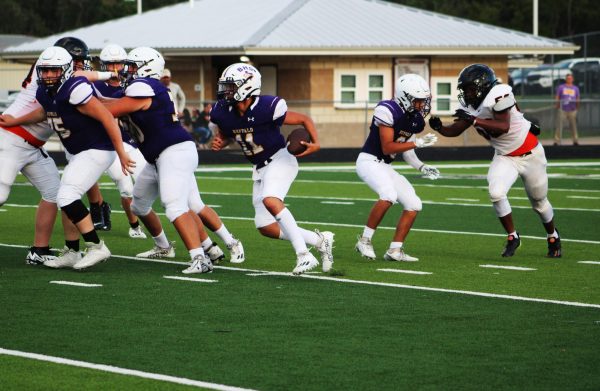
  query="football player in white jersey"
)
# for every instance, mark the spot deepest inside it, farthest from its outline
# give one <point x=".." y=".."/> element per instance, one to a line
<point x="491" y="108"/>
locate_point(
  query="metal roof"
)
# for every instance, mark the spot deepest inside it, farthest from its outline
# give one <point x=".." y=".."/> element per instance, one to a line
<point x="318" y="27"/>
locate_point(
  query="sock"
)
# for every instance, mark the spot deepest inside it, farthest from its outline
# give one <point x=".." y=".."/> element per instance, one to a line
<point x="224" y="234"/>
<point x="288" y="225"/>
<point x="396" y="245"/>
<point x="310" y="238"/>
<point x="161" y="240"/>
<point x="553" y="235"/>
<point x="515" y="234"/>
<point x="196" y="251"/>
<point x="368" y="233"/>
<point x="135" y="225"/>
<point x="207" y="243"/>
<point x="91" y="237"/>
<point x="41" y="250"/>
<point x="72" y="244"/>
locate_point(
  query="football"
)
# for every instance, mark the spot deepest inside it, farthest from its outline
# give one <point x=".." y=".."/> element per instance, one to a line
<point x="293" y="141"/>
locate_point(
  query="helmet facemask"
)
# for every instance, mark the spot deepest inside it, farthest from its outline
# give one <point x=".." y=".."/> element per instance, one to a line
<point x="238" y="82"/>
<point x="52" y="83"/>
<point x="474" y="83"/>
<point x="413" y="94"/>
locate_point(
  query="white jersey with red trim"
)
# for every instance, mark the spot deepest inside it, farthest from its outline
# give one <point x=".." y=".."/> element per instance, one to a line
<point x="498" y="99"/>
<point x="24" y="104"/>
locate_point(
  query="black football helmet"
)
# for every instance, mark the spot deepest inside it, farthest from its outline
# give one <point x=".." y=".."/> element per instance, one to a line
<point x="78" y="50"/>
<point x="474" y="83"/>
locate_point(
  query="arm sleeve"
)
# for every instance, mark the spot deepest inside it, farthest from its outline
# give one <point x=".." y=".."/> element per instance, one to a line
<point x="410" y="156"/>
<point x="81" y="94"/>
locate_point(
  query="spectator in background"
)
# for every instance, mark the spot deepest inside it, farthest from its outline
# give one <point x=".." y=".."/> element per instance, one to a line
<point x="200" y="120"/>
<point x="567" y="103"/>
<point x="176" y="91"/>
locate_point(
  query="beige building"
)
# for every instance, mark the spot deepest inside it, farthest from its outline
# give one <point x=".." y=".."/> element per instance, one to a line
<point x="331" y="59"/>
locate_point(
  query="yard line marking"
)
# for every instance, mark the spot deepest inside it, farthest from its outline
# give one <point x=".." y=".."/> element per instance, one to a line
<point x="590" y="262"/>
<point x="584" y="197"/>
<point x="374" y="283"/>
<point x="121" y="371"/>
<point x="403" y="271"/>
<point x="2" y="210"/>
<point x="73" y="283"/>
<point x="519" y="198"/>
<point x="508" y="267"/>
<point x="189" y="279"/>
<point x="338" y="202"/>
<point x="463" y="199"/>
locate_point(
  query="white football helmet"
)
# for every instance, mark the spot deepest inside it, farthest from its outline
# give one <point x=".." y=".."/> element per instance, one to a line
<point x="54" y="58"/>
<point x="146" y="62"/>
<point x="410" y="87"/>
<point x="112" y="53"/>
<point x="238" y="82"/>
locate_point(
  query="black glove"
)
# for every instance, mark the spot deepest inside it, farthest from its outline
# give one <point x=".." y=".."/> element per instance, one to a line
<point x="464" y="116"/>
<point x="435" y="123"/>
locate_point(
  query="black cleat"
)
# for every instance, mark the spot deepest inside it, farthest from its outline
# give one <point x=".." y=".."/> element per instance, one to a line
<point x="96" y="213"/>
<point x="554" y="249"/>
<point x="38" y="255"/>
<point x="105" y="207"/>
<point x="512" y="244"/>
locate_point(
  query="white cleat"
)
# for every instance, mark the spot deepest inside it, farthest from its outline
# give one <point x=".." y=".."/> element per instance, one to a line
<point x="66" y="258"/>
<point x="95" y="253"/>
<point x="159" y="252"/>
<point x="200" y="264"/>
<point x="365" y="248"/>
<point x="137" y="233"/>
<point x="325" y="248"/>
<point x="306" y="261"/>
<point x="236" y="252"/>
<point x="397" y="254"/>
<point x="214" y="253"/>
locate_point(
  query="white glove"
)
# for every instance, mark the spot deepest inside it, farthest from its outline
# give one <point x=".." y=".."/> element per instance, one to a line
<point x="426" y="141"/>
<point x="430" y="172"/>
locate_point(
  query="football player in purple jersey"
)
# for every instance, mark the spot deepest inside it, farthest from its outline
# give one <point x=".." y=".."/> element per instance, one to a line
<point x="254" y="122"/>
<point x="393" y="130"/>
<point x="89" y="133"/>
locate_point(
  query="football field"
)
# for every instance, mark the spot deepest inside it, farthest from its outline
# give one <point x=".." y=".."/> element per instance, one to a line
<point x="461" y="318"/>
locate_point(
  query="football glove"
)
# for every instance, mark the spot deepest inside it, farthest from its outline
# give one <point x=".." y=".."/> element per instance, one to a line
<point x="464" y="116"/>
<point x="435" y="123"/>
<point x="430" y="172"/>
<point x="426" y="141"/>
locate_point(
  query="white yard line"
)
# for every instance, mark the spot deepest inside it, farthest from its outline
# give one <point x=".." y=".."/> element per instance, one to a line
<point x="584" y="197"/>
<point x="338" y="202"/>
<point x="403" y="271"/>
<point x="590" y="262"/>
<point x="463" y="199"/>
<point x="189" y="279"/>
<point x="73" y="283"/>
<point x="121" y="371"/>
<point x="521" y="268"/>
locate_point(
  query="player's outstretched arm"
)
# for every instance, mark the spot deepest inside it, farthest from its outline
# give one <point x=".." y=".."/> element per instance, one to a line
<point x="37" y="115"/>
<point x="295" y="118"/>
<point x="126" y="105"/>
<point x="453" y="130"/>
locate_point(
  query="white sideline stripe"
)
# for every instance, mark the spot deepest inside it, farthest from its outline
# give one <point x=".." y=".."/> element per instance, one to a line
<point x="584" y="197"/>
<point x="2" y="210"/>
<point x="121" y="371"/>
<point x="189" y="279"/>
<point x="508" y="267"/>
<point x="338" y="202"/>
<point x="403" y="271"/>
<point x="590" y="262"/>
<point x="385" y="284"/>
<point x="75" y="284"/>
<point x="463" y="199"/>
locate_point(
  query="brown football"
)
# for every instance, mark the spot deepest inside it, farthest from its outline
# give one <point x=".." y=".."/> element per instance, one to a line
<point x="293" y="141"/>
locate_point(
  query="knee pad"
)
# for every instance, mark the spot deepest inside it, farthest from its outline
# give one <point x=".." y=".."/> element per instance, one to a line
<point x="388" y="194"/>
<point x="140" y="210"/>
<point x="415" y="205"/>
<point x="75" y="211"/>
<point x="543" y="209"/>
<point x="502" y="207"/>
<point x="125" y="186"/>
<point x="173" y="210"/>
<point x="195" y="204"/>
<point x="497" y="194"/>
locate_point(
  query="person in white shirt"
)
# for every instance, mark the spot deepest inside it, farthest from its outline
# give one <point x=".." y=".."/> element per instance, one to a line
<point x="176" y="91"/>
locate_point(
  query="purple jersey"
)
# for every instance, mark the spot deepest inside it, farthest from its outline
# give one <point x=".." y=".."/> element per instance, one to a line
<point x="158" y="127"/>
<point x="106" y="91"/>
<point x="78" y="132"/>
<point x="404" y="125"/>
<point x="256" y="131"/>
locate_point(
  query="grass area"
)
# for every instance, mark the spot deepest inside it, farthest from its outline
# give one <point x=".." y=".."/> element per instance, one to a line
<point x="357" y="328"/>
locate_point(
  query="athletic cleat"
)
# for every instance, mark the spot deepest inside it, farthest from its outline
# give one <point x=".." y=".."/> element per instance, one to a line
<point x="214" y="253"/>
<point x="159" y="252"/>
<point x="37" y="256"/>
<point x="106" y="210"/>
<point x="94" y="253"/>
<point x="66" y="258"/>
<point x="200" y="264"/>
<point x="236" y="252"/>
<point x="365" y="248"/>
<point x="325" y="248"/>
<point x="398" y="254"/>
<point x="554" y="248"/>
<point x="512" y="244"/>
<point x="97" y="219"/>
<point x="137" y="233"/>
<point x="305" y="262"/>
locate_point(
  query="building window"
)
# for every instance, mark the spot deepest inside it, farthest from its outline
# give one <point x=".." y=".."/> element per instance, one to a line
<point x="360" y="88"/>
<point x="445" y="97"/>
